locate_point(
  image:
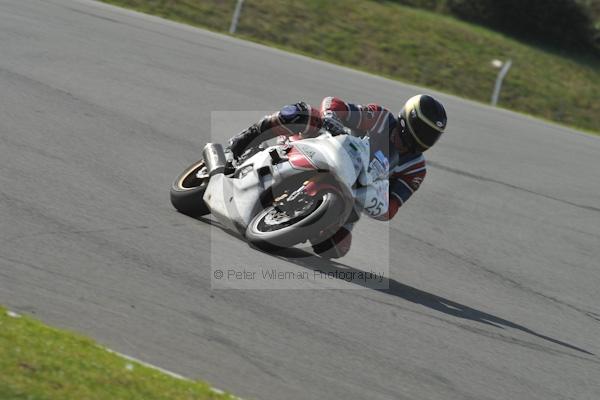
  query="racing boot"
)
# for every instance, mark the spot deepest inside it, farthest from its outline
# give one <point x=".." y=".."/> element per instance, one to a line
<point x="241" y="142"/>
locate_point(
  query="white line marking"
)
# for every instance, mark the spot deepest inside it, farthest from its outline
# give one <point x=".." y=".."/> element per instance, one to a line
<point x="129" y="367"/>
<point x="167" y="372"/>
<point x="145" y="364"/>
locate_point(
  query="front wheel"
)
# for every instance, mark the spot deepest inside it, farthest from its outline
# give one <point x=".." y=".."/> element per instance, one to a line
<point x="188" y="189"/>
<point x="273" y="229"/>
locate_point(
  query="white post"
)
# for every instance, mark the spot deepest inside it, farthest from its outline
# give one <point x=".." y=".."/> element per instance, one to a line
<point x="498" y="86"/>
<point x="236" y="16"/>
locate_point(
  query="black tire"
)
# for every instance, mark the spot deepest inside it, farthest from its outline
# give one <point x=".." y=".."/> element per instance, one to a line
<point x="188" y="190"/>
<point x="326" y="215"/>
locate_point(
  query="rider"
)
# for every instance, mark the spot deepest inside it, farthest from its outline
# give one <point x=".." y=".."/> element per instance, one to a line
<point x="396" y="145"/>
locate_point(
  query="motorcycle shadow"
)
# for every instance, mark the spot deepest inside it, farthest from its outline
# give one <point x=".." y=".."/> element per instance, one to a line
<point x="405" y="292"/>
<point x="434" y="302"/>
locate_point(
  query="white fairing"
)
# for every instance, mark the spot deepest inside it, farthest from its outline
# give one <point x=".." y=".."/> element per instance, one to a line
<point x="235" y="201"/>
<point x="346" y="156"/>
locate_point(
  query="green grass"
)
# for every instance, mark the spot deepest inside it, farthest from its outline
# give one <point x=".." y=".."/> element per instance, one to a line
<point x="38" y="362"/>
<point x="410" y="45"/>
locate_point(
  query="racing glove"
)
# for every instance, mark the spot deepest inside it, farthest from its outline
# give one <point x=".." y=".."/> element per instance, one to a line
<point x="333" y="124"/>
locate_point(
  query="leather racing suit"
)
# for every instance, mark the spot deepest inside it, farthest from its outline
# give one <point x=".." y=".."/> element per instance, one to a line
<point x="400" y="175"/>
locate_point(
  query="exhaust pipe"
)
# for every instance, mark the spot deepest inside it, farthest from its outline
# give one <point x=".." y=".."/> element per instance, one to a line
<point x="214" y="158"/>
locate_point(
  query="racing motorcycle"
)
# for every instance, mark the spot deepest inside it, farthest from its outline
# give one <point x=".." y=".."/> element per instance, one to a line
<point x="281" y="195"/>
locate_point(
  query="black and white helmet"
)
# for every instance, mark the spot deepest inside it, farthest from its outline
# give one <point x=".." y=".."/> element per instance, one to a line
<point x="422" y="122"/>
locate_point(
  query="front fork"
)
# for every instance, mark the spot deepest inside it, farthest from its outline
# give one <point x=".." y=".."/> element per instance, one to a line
<point x="290" y="203"/>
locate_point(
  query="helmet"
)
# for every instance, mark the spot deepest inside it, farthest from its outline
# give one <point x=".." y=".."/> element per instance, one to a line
<point x="422" y="122"/>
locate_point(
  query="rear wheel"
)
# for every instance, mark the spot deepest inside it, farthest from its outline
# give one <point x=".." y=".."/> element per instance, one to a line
<point x="188" y="189"/>
<point x="273" y="228"/>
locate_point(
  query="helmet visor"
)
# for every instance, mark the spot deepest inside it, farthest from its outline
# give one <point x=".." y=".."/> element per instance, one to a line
<point x="418" y="133"/>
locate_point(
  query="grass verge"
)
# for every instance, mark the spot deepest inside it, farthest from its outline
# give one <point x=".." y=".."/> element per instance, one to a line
<point x="40" y="362"/>
<point x="410" y="45"/>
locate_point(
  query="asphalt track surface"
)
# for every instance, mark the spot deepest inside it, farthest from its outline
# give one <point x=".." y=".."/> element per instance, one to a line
<point x="494" y="289"/>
